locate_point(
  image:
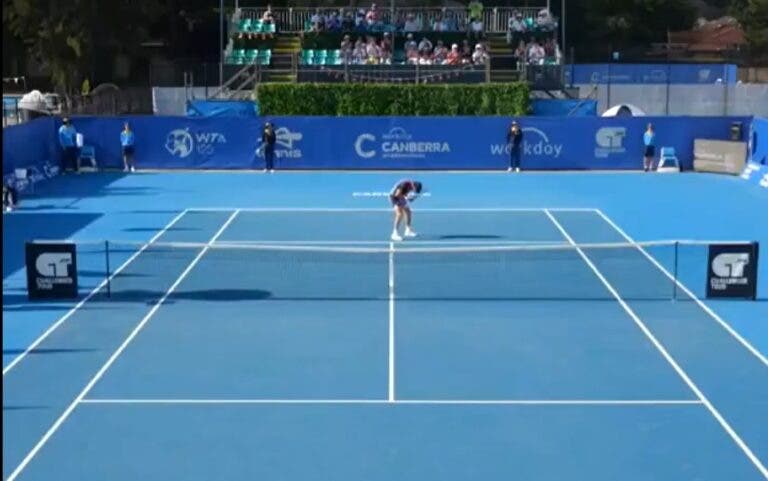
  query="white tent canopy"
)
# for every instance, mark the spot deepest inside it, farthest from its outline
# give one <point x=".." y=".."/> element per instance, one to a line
<point x="624" y="110"/>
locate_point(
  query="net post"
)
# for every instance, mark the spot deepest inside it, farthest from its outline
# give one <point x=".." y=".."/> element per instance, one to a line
<point x="674" y="280"/>
<point x="106" y="255"/>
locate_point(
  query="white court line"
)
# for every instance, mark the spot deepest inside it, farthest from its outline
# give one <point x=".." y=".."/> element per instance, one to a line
<point x="672" y="362"/>
<point x="687" y="291"/>
<point x="115" y="355"/>
<point x="90" y="295"/>
<point x="510" y="402"/>
<point x="386" y="243"/>
<point x="391" y="385"/>
<point x="386" y="209"/>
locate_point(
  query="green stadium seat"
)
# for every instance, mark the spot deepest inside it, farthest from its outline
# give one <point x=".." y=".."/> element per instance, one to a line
<point x="257" y="26"/>
<point x="307" y="57"/>
<point x="265" y="57"/>
<point x="245" y="25"/>
<point x="251" y="55"/>
<point x="238" y="56"/>
<point x="270" y="28"/>
<point x="334" y="53"/>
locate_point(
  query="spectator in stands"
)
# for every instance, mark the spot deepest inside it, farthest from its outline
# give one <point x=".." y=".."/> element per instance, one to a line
<point x="544" y="21"/>
<point x="466" y="52"/>
<point x="475" y="10"/>
<point x="515" y="138"/>
<point x="536" y="54"/>
<point x="359" y="52"/>
<point x="360" y="24"/>
<point x="425" y="58"/>
<point x="454" y="56"/>
<point x="520" y="54"/>
<point x="515" y="26"/>
<point x="411" y="23"/>
<point x="476" y="28"/>
<point x="439" y="24"/>
<point x="348" y="22"/>
<point x="10" y="196"/>
<point x="346" y="48"/>
<point x="410" y="43"/>
<point x="412" y="56"/>
<point x="333" y="22"/>
<point x="127" y="140"/>
<point x="268" y="141"/>
<point x="372" y="52"/>
<point x="450" y="22"/>
<point x="440" y="54"/>
<point x="267" y="16"/>
<point x="317" y="21"/>
<point x="372" y="17"/>
<point x="425" y="45"/>
<point x="480" y="56"/>
<point x="386" y="49"/>
<point x="68" y="142"/>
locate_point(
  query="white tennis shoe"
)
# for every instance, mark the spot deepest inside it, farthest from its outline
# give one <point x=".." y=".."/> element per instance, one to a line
<point x="396" y="237"/>
<point x="409" y="233"/>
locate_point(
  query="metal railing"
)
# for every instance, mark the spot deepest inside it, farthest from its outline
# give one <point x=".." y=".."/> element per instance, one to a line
<point x="296" y="19"/>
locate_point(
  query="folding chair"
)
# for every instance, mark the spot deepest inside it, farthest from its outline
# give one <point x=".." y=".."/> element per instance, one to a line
<point x="668" y="161"/>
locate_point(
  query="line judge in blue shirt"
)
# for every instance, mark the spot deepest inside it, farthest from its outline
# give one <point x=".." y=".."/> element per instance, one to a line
<point x="68" y="142"/>
<point x="649" y="140"/>
<point x="126" y="142"/>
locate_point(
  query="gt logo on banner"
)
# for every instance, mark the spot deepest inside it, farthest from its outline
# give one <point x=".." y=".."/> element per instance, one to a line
<point x="732" y="271"/>
<point x="51" y="271"/>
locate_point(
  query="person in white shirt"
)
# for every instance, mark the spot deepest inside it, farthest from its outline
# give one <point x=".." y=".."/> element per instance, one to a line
<point x="480" y="56"/>
<point x="425" y="45"/>
<point x="476" y="28"/>
<point x="411" y="23"/>
<point x="317" y="21"/>
<point x="536" y="54"/>
<point x="410" y="43"/>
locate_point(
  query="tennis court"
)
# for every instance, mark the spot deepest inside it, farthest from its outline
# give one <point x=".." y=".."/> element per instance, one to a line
<point x="506" y="342"/>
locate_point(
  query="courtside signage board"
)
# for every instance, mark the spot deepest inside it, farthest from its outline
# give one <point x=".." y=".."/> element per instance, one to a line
<point x="732" y="271"/>
<point x="51" y="270"/>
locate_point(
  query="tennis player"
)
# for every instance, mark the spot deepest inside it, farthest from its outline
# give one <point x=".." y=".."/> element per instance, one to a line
<point x="401" y="194"/>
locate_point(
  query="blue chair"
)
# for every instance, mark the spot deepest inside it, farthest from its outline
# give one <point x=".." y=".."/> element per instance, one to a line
<point x="87" y="152"/>
<point x="668" y="161"/>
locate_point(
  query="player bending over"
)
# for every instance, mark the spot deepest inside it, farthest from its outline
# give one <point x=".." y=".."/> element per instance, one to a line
<point x="403" y="192"/>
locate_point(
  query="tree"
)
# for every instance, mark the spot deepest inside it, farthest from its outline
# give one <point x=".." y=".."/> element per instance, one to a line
<point x="65" y="36"/>
<point x="598" y="25"/>
<point x="753" y="17"/>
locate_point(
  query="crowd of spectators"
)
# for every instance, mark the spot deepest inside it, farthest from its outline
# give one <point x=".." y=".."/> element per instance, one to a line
<point x="520" y="27"/>
<point x="374" y="20"/>
<point x="370" y="51"/>
<point x="538" y="53"/>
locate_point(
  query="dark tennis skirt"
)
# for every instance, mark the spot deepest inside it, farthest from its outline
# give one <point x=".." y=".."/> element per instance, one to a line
<point x="128" y="150"/>
<point x="398" y="201"/>
<point x="650" y="151"/>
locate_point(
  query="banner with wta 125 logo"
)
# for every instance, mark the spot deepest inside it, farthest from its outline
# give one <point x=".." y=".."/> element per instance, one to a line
<point x="51" y="270"/>
<point x="732" y="271"/>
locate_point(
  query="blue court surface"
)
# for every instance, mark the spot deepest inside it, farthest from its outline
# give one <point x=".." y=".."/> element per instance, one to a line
<point x="263" y="327"/>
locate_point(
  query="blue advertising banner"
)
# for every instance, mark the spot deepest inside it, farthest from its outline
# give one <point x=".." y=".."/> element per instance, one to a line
<point x="448" y="143"/>
<point x="480" y="142"/>
<point x="756" y="174"/>
<point x="32" y="146"/>
<point x="758" y="141"/>
<point x="176" y="142"/>
<point x="619" y="73"/>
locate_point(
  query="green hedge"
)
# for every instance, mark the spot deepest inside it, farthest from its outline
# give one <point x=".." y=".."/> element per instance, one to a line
<point x="392" y="99"/>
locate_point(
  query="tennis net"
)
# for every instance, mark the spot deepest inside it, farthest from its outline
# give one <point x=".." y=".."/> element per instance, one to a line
<point x="228" y="271"/>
